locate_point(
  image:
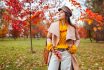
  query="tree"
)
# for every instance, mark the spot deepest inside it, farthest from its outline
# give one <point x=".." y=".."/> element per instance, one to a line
<point x="96" y="5"/>
<point x="3" y="22"/>
<point x="96" y="14"/>
<point x="24" y="10"/>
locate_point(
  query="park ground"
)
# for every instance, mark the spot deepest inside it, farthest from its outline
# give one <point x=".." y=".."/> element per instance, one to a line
<point x="16" y="55"/>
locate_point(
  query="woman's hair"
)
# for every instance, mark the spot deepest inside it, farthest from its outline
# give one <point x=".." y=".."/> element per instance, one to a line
<point x="69" y="22"/>
<point x="68" y="19"/>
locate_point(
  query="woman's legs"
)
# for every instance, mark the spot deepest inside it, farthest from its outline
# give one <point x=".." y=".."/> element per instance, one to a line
<point x="65" y="63"/>
<point x="54" y="63"/>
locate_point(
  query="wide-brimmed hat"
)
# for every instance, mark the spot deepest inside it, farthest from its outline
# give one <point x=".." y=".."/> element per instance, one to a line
<point x="66" y="10"/>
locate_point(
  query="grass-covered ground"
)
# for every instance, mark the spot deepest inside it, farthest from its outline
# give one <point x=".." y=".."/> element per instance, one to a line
<point x="16" y="55"/>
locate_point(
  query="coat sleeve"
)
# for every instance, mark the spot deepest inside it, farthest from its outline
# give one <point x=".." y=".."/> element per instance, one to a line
<point x="77" y="42"/>
<point x="49" y="41"/>
<point x="49" y="37"/>
<point x="49" y="34"/>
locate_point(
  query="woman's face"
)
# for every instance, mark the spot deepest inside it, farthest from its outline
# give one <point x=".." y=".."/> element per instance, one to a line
<point x="61" y="15"/>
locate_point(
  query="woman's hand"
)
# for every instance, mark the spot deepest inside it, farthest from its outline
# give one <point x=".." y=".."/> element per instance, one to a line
<point x="53" y="49"/>
<point x="57" y="53"/>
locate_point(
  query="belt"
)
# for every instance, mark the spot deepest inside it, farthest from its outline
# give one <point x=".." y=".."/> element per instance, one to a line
<point x="62" y="49"/>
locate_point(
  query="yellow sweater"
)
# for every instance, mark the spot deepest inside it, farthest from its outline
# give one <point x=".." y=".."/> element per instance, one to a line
<point x="62" y="41"/>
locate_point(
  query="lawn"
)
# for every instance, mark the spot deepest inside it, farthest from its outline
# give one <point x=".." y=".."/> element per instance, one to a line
<point x="16" y="55"/>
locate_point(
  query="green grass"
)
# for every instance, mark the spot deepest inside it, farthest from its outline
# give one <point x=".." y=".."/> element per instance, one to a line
<point x="16" y="55"/>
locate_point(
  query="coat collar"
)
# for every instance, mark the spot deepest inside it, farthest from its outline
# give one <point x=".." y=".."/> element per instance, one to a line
<point x="54" y="29"/>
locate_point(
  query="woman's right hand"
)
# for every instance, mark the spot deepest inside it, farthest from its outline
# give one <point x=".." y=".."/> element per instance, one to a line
<point x="53" y="49"/>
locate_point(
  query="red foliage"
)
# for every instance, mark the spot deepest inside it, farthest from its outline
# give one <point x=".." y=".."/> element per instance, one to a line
<point x="24" y="23"/>
<point x="75" y="3"/>
<point x="17" y="25"/>
<point x="39" y="28"/>
<point x="28" y="1"/>
<point x="46" y="7"/>
<point x="14" y="6"/>
<point x="94" y="16"/>
<point x="83" y="32"/>
<point x="6" y="16"/>
<point x="42" y="29"/>
<point x="41" y="1"/>
<point x="37" y="17"/>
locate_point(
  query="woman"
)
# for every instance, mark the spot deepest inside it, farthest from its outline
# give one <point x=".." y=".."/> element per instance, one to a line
<point x="61" y="36"/>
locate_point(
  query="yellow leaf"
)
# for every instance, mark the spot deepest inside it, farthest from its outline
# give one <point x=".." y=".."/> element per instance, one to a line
<point x="99" y="28"/>
<point x="95" y="29"/>
<point x="90" y="21"/>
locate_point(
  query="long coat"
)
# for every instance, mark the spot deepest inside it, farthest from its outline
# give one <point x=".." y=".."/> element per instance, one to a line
<point x="72" y="34"/>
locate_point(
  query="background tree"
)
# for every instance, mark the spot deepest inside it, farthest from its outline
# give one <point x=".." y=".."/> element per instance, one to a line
<point x="96" y="6"/>
<point x="96" y="19"/>
<point x="3" y="22"/>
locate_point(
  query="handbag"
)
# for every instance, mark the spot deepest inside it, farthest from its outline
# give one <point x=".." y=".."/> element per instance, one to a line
<point x="45" y="55"/>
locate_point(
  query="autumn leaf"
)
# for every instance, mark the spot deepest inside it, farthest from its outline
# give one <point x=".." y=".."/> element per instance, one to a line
<point x="94" y="28"/>
<point x="99" y="28"/>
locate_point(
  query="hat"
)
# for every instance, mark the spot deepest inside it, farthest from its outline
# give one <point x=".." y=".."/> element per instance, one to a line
<point x="66" y="10"/>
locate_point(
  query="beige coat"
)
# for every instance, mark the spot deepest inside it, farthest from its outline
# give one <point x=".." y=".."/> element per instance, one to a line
<point x="71" y="34"/>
